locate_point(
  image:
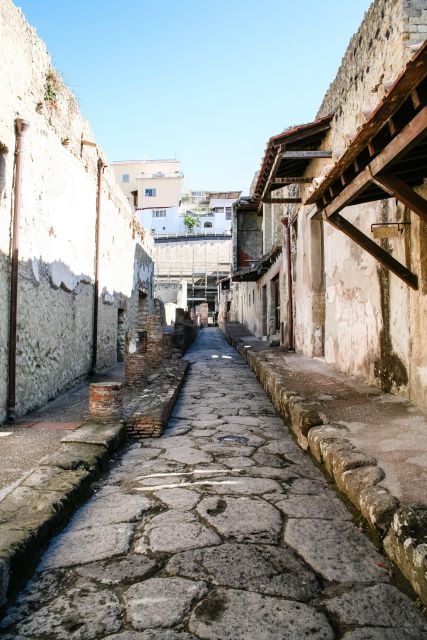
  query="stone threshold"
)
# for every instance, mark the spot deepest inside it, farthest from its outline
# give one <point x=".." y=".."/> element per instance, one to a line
<point x="401" y="530"/>
<point x="43" y="502"/>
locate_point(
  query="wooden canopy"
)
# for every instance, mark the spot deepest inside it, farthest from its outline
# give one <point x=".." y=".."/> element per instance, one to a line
<point x="286" y="159"/>
<point x="387" y="157"/>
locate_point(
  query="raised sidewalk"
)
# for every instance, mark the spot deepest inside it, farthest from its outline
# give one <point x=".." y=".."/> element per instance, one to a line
<point x="373" y="445"/>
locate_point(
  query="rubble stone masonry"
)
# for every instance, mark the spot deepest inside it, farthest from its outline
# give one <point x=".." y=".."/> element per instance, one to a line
<point x="57" y="229"/>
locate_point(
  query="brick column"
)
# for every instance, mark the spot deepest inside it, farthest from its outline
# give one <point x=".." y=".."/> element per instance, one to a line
<point x="105" y="401"/>
<point x="135" y="358"/>
<point x="167" y="344"/>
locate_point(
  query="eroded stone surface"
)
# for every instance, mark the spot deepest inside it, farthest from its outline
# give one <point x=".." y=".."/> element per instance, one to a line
<point x="242" y="519"/>
<point x="161" y="602"/>
<point x="336" y="550"/>
<point x="127" y="569"/>
<point x="175" y="531"/>
<point x="227" y="614"/>
<point x="81" y="613"/>
<point x="262" y="568"/>
<point x="380" y="605"/>
<point x="88" y="545"/>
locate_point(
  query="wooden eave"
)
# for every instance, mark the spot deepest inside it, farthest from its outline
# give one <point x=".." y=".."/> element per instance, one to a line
<point x="304" y="138"/>
<point x="260" y="268"/>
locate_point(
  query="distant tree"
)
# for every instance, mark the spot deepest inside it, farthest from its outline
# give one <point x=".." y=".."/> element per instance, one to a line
<point x="190" y="221"/>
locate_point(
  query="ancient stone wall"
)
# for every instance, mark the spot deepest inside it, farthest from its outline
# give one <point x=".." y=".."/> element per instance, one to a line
<point x="57" y="228"/>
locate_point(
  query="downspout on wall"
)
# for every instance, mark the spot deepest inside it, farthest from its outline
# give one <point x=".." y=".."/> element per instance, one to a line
<point x="285" y="222"/>
<point x="101" y="167"/>
<point x="20" y="127"/>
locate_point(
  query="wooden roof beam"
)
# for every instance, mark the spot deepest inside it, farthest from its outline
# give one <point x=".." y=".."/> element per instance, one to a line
<point x="307" y="155"/>
<point x="404" y="193"/>
<point x="293" y="180"/>
<point x="401" y="144"/>
<point x="374" y="249"/>
<point x="281" y="200"/>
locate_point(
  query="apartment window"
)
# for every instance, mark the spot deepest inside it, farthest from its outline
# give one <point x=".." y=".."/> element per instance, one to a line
<point x="150" y="193"/>
<point x="228" y="213"/>
<point x="159" y="213"/>
<point x="125" y="177"/>
<point x="208" y="225"/>
<point x="219" y="209"/>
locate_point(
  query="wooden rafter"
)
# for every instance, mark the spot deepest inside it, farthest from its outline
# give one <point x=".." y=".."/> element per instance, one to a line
<point x="281" y="200"/>
<point x="403" y="192"/>
<point x="374" y="249"/>
<point x="400" y="144"/>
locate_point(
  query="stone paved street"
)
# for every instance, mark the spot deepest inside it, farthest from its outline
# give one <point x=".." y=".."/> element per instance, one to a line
<point x="223" y="529"/>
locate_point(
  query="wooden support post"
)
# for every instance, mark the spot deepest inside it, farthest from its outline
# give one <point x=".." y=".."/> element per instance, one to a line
<point x="373" y="249"/>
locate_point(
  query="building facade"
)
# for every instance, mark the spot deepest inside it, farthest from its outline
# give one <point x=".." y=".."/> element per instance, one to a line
<point x="76" y="267"/>
<point x="336" y="265"/>
<point x="153" y="188"/>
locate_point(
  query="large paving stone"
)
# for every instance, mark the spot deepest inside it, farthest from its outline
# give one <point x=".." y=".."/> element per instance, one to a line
<point x="112" y="509"/>
<point x="87" y="545"/>
<point x="139" y="454"/>
<point x="152" y="634"/>
<point x="336" y="549"/>
<point x="232" y="450"/>
<point x="175" y="531"/>
<point x="381" y="633"/>
<point x="81" y="613"/>
<point x="227" y="614"/>
<point x="242" y="519"/>
<point x="237" y="462"/>
<point x="244" y="485"/>
<point x="325" y="506"/>
<point x="380" y="605"/>
<point x="187" y="455"/>
<point x="128" y="569"/>
<point x="179" y="499"/>
<point x="262" y="568"/>
<point x="161" y="602"/>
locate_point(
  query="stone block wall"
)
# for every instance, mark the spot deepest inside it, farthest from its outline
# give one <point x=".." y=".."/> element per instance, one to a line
<point x="57" y="229"/>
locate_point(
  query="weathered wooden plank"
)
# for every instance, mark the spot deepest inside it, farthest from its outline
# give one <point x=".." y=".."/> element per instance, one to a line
<point x="292" y="180"/>
<point x="281" y="200"/>
<point x="307" y="154"/>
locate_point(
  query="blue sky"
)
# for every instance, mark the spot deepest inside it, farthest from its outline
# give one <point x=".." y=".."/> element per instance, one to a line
<point x="205" y="81"/>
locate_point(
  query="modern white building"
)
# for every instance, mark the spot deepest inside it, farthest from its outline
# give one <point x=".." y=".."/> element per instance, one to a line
<point x="154" y="189"/>
<point x="212" y="209"/>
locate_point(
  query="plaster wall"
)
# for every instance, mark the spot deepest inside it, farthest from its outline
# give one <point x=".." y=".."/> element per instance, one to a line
<point x="57" y="229"/>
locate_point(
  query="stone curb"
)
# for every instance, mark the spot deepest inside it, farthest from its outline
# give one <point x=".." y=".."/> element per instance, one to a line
<point x="356" y="475"/>
<point x="46" y="498"/>
<point x="44" y="501"/>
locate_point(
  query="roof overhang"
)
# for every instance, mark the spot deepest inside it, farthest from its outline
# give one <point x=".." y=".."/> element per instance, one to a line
<point x="387" y="157"/>
<point x="260" y="267"/>
<point x="287" y="157"/>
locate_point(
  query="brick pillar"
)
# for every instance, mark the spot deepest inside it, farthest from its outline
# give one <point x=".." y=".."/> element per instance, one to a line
<point x="155" y="340"/>
<point x="135" y="358"/>
<point x="105" y="401"/>
<point x="167" y="344"/>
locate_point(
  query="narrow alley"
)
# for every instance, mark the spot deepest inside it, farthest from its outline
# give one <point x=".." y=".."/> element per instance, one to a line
<point x="222" y="529"/>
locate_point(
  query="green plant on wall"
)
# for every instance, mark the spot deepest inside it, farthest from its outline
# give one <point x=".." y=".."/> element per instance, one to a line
<point x="50" y="87"/>
<point x="190" y="221"/>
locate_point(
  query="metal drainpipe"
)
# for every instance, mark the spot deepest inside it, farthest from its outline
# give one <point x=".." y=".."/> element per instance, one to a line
<point x="20" y="126"/>
<point x="285" y="222"/>
<point x="101" y="167"/>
